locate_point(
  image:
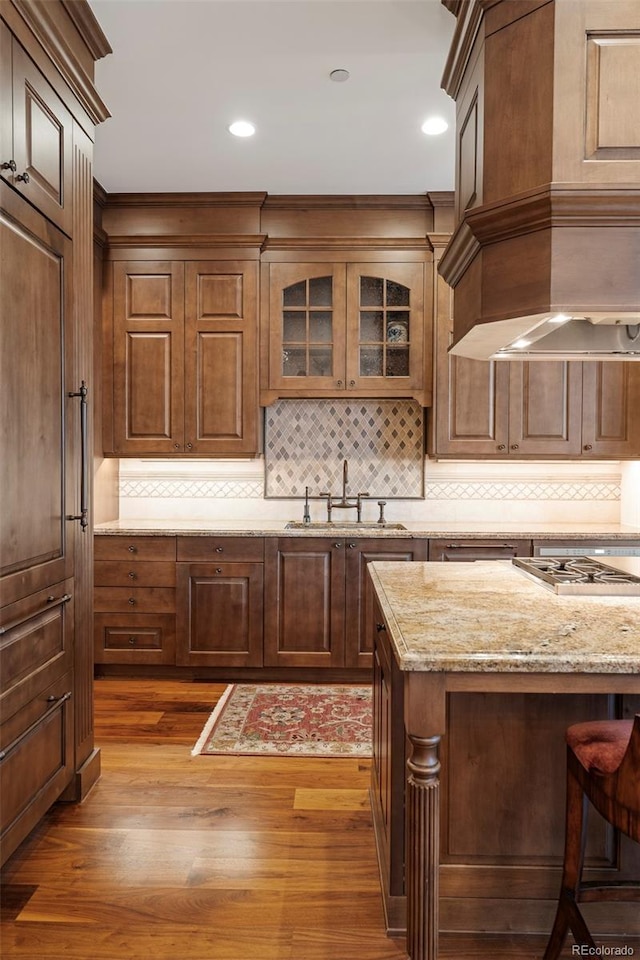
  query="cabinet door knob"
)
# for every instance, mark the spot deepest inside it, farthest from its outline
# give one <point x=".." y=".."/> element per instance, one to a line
<point x="9" y="165"/>
<point x="189" y="446"/>
<point x="219" y="549"/>
<point x="338" y="383"/>
<point x="380" y="627"/>
<point x="514" y="446"/>
<point x="132" y="640"/>
<point x="23" y="177"/>
<point x="132" y="549"/>
<point x="176" y="446"/>
<point x="131" y="575"/>
<point x="352" y="383"/>
<point x="218" y="569"/>
<point x="351" y="546"/>
<point x="337" y="545"/>
<point x="501" y="446"/>
<point x="131" y="601"/>
<point x="588" y="446"/>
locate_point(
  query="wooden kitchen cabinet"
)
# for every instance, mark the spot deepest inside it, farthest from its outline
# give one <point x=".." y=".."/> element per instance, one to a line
<point x="220" y="601"/>
<point x="344" y="329"/>
<point x="305" y="590"/>
<point x="48" y="110"/>
<point x="450" y="550"/>
<point x="318" y="612"/>
<point x="359" y="615"/>
<point x="135" y="600"/>
<point x="181" y="359"/>
<point x="36" y="135"/>
<point x="490" y="409"/>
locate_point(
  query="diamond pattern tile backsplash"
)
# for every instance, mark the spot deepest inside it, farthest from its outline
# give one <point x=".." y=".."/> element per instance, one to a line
<point x="306" y="442"/>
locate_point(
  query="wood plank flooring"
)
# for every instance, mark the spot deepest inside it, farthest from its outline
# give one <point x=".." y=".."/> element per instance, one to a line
<point x="174" y="857"/>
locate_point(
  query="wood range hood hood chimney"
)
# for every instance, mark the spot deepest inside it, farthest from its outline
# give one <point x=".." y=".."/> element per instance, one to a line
<point x="544" y="262"/>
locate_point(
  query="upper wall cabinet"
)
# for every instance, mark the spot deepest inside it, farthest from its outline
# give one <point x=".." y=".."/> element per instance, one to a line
<point x="35" y="135"/>
<point x="180" y="359"/>
<point x="344" y="329"/>
<point x="542" y="409"/>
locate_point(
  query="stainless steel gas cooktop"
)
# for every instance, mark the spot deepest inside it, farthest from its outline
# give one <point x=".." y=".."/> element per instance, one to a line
<point x="579" y="576"/>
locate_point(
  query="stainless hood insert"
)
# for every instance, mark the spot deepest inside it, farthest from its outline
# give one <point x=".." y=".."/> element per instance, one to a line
<point x="554" y="337"/>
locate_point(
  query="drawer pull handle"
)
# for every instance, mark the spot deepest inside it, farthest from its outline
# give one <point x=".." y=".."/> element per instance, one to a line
<point x="83" y="516"/>
<point x="132" y="640"/>
<point x="55" y="703"/>
<point x="380" y="627"/>
<point x="219" y="549"/>
<point x="131" y="601"/>
<point x="132" y="549"/>
<point x="51" y="603"/>
<point x="484" y="546"/>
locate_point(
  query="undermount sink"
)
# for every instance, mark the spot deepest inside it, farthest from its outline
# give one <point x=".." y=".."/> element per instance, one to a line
<point x="343" y="525"/>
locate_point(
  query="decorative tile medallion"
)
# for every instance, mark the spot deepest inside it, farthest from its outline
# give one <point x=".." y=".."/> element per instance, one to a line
<point x="307" y="442"/>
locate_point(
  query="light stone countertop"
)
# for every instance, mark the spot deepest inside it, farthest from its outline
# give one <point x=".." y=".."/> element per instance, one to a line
<point x="414" y="529"/>
<point x="489" y="617"/>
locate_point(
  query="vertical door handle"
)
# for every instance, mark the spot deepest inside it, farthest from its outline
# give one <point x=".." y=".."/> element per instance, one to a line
<point x="83" y="516"/>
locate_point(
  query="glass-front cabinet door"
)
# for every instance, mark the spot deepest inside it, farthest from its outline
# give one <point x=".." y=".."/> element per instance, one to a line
<point x="307" y="303"/>
<point x="385" y="327"/>
<point x="341" y="328"/>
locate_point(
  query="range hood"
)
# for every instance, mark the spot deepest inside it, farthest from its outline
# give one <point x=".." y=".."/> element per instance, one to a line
<point x="544" y="260"/>
<point x="551" y="336"/>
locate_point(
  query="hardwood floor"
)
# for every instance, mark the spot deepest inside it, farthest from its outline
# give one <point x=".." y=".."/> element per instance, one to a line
<point x="174" y="857"/>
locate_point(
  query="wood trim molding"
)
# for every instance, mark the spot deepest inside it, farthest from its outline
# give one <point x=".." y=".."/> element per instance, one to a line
<point x="88" y="27"/>
<point x="552" y="206"/>
<point x="238" y="199"/>
<point x="166" y="240"/>
<point x="347" y="243"/>
<point x="40" y="17"/>
<point x="348" y="202"/>
<point x="468" y="22"/>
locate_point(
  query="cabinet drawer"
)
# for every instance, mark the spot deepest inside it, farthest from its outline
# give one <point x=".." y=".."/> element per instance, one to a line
<point x="144" y="573"/>
<point x="500" y="549"/>
<point x="243" y="549"/>
<point x="37" y="643"/>
<point x="134" y="638"/>
<point x="130" y="599"/>
<point x="134" y="548"/>
<point x="36" y="760"/>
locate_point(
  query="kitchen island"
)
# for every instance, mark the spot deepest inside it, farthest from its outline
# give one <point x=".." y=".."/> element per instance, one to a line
<point x="477" y="672"/>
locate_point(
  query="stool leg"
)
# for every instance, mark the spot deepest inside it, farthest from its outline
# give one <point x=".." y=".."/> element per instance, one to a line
<point x="568" y="915"/>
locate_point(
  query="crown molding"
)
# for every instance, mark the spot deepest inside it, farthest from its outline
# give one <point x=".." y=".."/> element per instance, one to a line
<point x="237" y="199"/>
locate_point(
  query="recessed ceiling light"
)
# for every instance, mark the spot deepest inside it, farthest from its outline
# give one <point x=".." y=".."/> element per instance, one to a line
<point x="340" y="75"/>
<point x="434" y="125"/>
<point x="242" y="128"/>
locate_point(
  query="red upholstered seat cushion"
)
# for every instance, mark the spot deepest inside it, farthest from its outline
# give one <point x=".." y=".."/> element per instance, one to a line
<point x="600" y="745"/>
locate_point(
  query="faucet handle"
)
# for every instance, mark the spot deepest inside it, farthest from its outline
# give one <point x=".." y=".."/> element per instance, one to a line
<point x="382" y="504"/>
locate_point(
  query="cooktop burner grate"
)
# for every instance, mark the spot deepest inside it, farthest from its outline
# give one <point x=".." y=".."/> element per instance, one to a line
<point x="579" y="576"/>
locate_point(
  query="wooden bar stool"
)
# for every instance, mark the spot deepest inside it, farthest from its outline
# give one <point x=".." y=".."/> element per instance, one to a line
<point x="603" y="767"/>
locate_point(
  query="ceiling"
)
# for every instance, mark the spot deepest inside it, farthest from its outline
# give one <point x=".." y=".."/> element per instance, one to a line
<point x="182" y="70"/>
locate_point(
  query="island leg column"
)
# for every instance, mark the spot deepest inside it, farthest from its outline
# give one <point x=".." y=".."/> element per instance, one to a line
<point x="424" y="714"/>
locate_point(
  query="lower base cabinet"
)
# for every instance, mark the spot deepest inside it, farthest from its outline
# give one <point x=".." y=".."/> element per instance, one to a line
<point x="319" y="611"/>
<point x="220" y="614"/>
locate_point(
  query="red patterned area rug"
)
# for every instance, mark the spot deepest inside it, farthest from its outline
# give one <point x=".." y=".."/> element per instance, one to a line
<point x="289" y="720"/>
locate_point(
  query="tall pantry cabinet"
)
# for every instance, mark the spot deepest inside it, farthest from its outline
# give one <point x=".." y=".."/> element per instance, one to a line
<point x="48" y="112"/>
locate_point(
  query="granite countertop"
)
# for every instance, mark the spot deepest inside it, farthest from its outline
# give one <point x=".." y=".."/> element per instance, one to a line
<point x="414" y="529"/>
<point x="489" y="617"/>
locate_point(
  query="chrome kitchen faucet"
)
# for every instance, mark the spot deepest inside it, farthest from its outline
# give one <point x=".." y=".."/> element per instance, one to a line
<point x="345" y="503"/>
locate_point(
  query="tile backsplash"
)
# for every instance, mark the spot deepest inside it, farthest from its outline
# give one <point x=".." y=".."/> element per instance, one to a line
<point x="307" y="441"/>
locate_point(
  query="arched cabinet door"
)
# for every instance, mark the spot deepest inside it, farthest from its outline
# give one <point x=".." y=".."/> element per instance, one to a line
<point x="343" y="329"/>
<point x="385" y="327"/>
